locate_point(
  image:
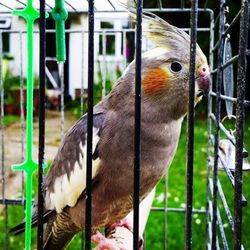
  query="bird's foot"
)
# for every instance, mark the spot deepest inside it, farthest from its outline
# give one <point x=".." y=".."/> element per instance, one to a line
<point x="126" y="223"/>
<point x="120" y="237"/>
<point x="122" y="223"/>
<point x="104" y="243"/>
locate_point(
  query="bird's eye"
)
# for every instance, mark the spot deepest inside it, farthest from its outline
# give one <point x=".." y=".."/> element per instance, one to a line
<point x="176" y="67"/>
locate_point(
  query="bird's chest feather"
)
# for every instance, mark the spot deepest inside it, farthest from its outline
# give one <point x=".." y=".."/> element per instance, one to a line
<point x="158" y="145"/>
<point x="116" y="151"/>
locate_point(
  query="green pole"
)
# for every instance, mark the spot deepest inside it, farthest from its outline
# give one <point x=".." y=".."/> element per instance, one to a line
<point x="60" y="15"/>
<point x="30" y="14"/>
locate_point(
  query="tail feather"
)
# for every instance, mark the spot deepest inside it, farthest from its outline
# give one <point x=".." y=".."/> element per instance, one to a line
<point x="58" y="243"/>
<point x="60" y="230"/>
<point x="20" y="228"/>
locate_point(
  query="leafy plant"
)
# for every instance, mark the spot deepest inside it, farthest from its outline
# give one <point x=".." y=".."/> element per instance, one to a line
<point x="11" y="85"/>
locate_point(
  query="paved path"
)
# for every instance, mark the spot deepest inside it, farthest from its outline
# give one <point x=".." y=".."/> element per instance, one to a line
<point x="13" y="148"/>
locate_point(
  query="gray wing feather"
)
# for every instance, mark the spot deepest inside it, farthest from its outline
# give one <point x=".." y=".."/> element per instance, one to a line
<point x="70" y="151"/>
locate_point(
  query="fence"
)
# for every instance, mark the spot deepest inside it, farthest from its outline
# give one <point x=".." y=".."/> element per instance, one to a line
<point x="216" y="235"/>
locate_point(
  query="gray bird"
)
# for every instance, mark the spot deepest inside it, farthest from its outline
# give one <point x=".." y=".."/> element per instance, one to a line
<point x="164" y="103"/>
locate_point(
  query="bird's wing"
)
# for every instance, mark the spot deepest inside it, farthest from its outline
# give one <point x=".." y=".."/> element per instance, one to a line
<point x="66" y="179"/>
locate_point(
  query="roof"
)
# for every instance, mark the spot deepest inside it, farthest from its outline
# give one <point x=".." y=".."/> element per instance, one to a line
<point x="71" y="5"/>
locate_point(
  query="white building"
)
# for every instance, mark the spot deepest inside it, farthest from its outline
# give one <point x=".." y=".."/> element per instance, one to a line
<point x="110" y="42"/>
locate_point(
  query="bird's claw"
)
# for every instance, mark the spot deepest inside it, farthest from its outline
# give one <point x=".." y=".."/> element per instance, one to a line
<point x="127" y="224"/>
<point x="104" y="243"/>
<point x="122" y="223"/>
<point x="116" y="242"/>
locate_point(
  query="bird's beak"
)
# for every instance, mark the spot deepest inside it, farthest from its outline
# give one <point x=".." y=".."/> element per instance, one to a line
<point x="203" y="80"/>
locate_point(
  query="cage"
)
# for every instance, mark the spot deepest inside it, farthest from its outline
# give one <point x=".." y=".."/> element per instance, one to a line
<point x="193" y="205"/>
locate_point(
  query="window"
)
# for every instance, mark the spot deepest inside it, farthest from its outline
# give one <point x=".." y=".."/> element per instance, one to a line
<point x="107" y="25"/>
<point x="107" y="39"/>
<point x="6" y="42"/>
<point x="5" y="23"/>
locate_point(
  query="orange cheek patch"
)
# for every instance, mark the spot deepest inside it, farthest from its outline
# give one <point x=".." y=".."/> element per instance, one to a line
<point x="154" y="81"/>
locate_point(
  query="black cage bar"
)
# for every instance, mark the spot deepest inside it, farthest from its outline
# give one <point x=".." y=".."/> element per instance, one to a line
<point x="90" y="126"/>
<point x="217" y="236"/>
<point x="240" y="119"/>
<point x="137" y="139"/>
<point x="41" y="126"/>
<point x="218" y="118"/>
<point x="190" y="143"/>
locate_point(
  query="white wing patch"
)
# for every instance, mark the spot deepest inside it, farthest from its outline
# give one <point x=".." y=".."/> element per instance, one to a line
<point x="66" y="192"/>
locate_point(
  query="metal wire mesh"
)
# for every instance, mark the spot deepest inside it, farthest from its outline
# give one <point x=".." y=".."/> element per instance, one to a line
<point x="234" y="175"/>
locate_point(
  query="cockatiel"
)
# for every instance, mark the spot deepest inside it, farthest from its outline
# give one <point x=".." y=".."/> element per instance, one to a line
<point x="164" y="103"/>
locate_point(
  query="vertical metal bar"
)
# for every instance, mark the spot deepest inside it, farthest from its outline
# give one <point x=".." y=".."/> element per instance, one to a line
<point x="2" y="115"/>
<point x="22" y="109"/>
<point x="218" y="115"/>
<point x="61" y="74"/>
<point x="6" y="227"/>
<point x="190" y="144"/>
<point x="104" y="72"/>
<point x="82" y="105"/>
<point x="82" y="74"/>
<point x="182" y="4"/>
<point x="42" y="28"/>
<point x="88" y="210"/>
<point x="165" y="211"/>
<point x="124" y="49"/>
<point x="137" y="134"/>
<point x="240" y="117"/>
<point x="159" y="3"/>
<point x="209" y="126"/>
<point x="2" y="143"/>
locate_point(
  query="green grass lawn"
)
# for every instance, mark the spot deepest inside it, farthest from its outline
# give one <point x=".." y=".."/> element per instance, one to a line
<point x="176" y="198"/>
